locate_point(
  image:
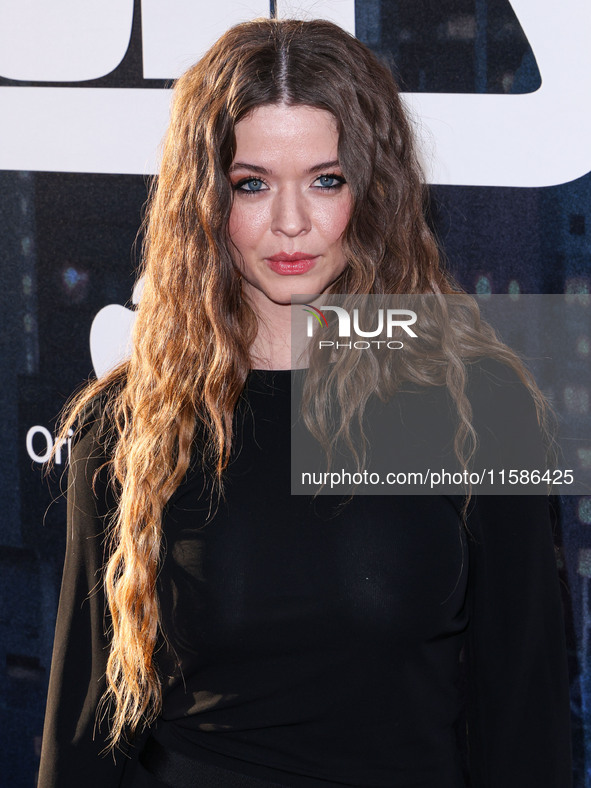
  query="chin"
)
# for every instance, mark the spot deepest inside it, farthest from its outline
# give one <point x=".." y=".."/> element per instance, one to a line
<point x="286" y="299"/>
<point x="304" y="287"/>
<point x="300" y="289"/>
<point x="301" y="296"/>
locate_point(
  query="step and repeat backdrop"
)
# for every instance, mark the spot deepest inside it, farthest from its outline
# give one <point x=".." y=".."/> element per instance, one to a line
<point x="501" y="96"/>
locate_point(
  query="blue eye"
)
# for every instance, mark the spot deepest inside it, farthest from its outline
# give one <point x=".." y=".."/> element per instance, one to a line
<point x="253" y="184"/>
<point x="330" y="181"/>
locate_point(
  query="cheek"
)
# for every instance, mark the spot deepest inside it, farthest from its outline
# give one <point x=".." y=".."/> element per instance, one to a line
<point x="236" y="226"/>
<point x="245" y="226"/>
<point x="333" y="219"/>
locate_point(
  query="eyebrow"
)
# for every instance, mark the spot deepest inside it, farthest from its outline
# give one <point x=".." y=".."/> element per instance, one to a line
<point x="241" y="165"/>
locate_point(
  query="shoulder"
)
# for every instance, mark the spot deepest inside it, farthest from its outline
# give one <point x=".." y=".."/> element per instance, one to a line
<point x="91" y="490"/>
<point x="507" y="423"/>
<point x="90" y="442"/>
<point x="491" y="374"/>
<point x="95" y="423"/>
<point x="496" y="389"/>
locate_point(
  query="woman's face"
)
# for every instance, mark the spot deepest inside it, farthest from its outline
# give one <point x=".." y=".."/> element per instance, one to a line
<point x="291" y="203"/>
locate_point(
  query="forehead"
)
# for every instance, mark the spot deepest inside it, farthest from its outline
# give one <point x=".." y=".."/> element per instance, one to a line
<point x="299" y="133"/>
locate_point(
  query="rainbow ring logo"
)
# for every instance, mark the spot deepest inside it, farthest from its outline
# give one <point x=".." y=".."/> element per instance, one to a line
<point x="320" y="316"/>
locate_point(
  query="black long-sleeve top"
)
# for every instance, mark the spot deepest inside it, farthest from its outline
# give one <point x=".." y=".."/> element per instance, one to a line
<point x="311" y="643"/>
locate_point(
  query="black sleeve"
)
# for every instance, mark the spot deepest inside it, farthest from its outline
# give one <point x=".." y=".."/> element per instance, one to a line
<point x="73" y="742"/>
<point x="518" y="689"/>
<point x="518" y="712"/>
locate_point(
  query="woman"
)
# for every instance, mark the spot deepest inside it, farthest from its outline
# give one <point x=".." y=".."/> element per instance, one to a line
<point x="216" y="629"/>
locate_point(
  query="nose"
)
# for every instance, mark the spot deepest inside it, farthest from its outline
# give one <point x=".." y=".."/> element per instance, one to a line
<point x="290" y="213"/>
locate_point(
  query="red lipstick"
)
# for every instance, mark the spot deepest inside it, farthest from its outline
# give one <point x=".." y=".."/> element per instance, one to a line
<point x="291" y="264"/>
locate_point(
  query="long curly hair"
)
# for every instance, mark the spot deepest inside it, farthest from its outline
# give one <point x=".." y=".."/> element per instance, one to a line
<point x="194" y="330"/>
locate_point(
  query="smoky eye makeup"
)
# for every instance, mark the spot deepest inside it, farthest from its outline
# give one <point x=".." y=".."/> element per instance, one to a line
<point x="330" y="176"/>
<point x="326" y="182"/>
<point x="256" y="182"/>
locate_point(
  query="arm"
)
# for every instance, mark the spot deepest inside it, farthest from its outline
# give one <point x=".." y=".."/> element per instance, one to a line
<point x="72" y="742"/>
<point x="518" y="688"/>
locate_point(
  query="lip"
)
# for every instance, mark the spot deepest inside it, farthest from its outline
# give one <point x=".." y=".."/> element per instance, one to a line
<point x="294" y="257"/>
<point x="291" y="264"/>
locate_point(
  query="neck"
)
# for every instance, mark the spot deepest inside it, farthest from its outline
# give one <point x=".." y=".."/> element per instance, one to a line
<point x="281" y="341"/>
<point x="272" y="346"/>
